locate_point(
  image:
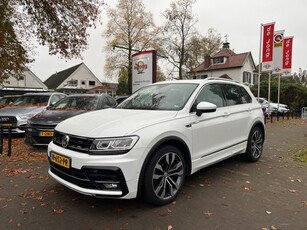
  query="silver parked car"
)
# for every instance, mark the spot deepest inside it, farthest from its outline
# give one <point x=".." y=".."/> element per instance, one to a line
<point x="26" y="106"/>
<point x="273" y="108"/>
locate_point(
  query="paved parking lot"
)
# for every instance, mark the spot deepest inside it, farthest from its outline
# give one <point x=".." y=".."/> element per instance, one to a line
<point x="269" y="194"/>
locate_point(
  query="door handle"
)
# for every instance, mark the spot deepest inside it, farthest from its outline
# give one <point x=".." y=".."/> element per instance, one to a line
<point x="226" y="114"/>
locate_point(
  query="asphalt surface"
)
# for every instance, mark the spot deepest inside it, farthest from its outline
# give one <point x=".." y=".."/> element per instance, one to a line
<point x="270" y="194"/>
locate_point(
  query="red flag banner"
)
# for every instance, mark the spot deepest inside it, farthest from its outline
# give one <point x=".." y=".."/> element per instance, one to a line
<point x="267" y="46"/>
<point x="287" y="55"/>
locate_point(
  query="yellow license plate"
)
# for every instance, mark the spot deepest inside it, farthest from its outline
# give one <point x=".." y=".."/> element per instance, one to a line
<point x="6" y="125"/>
<point x="45" y="134"/>
<point x="60" y="160"/>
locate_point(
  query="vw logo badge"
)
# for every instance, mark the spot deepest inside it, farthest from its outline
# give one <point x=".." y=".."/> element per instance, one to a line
<point x="65" y="141"/>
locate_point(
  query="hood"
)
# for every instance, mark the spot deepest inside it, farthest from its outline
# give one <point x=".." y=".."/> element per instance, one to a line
<point x="19" y="110"/>
<point x="112" y="122"/>
<point x="53" y="117"/>
<point x="273" y="104"/>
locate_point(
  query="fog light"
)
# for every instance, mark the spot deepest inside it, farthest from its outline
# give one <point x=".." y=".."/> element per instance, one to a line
<point x="111" y="185"/>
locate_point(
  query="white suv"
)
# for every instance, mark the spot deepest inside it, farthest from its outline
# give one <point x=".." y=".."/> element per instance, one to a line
<point x="155" y="138"/>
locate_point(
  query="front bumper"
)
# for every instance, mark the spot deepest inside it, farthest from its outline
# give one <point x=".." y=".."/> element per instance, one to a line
<point x="98" y="175"/>
<point x="34" y="136"/>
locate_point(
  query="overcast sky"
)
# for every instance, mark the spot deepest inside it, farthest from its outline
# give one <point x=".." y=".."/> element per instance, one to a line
<point x="238" y="19"/>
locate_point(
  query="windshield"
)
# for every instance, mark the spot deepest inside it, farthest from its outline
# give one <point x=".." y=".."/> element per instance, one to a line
<point x="169" y="96"/>
<point x="32" y="100"/>
<point x="76" y="103"/>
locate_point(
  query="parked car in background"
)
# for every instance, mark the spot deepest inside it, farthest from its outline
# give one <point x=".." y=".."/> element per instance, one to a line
<point x="273" y="108"/>
<point x="120" y="99"/>
<point x="7" y="100"/>
<point x="24" y="107"/>
<point x="41" y="126"/>
<point x="155" y="138"/>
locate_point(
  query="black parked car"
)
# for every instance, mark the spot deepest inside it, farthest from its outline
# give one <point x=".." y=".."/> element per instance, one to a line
<point x="40" y="127"/>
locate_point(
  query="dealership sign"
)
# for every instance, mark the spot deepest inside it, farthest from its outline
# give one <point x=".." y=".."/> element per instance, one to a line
<point x="144" y="68"/>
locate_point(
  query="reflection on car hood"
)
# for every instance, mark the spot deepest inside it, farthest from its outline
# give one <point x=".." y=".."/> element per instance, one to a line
<point x="112" y="122"/>
<point x="19" y="110"/>
<point x="54" y="116"/>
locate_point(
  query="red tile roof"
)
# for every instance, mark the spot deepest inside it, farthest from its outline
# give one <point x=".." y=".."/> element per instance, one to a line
<point x="102" y="87"/>
<point x="233" y="60"/>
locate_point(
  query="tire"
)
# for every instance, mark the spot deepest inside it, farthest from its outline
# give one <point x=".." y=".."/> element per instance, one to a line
<point x="254" y="145"/>
<point x="164" y="176"/>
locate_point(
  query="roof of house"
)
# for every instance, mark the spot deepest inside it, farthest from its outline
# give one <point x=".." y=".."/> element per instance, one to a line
<point x="233" y="60"/>
<point x="56" y="79"/>
<point x="224" y="53"/>
<point x="102" y="87"/>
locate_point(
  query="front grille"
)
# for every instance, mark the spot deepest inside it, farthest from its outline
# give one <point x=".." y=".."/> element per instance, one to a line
<point x="8" y="120"/>
<point x="42" y="140"/>
<point x="43" y="126"/>
<point x="81" y="144"/>
<point x="92" y="177"/>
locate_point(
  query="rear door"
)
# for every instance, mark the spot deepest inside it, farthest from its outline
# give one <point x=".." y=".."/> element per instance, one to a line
<point x="239" y="104"/>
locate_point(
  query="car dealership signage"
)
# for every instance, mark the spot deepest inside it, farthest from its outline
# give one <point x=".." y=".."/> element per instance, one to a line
<point x="144" y="68"/>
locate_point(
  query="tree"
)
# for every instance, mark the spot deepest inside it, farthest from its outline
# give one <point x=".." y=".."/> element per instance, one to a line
<point x="122" y="82"/>
<point x="202" y="46"/>
<point x="178" y="33"/>
<point x="291" y="93"/>
<point x="61" y="25"/>
<point x="129" y="29"/>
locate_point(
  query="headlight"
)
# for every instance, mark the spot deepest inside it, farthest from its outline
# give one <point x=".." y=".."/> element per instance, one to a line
<point x="118" y="145"/>
<point x="26" y="116"/>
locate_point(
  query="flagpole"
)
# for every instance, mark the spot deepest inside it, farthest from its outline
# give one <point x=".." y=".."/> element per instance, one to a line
<point x="259" y="66"/>
<point x="278" y="96"/>
<point x="269" y="94"/>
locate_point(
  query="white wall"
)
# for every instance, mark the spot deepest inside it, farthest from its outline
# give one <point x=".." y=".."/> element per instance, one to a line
<point x="29" y="80"/>
<point x="82" y="74"/>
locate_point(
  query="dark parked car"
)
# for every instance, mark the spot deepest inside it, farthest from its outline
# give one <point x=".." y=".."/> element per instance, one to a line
<point x="41" y="126"/>
<point x="120" y="99"/>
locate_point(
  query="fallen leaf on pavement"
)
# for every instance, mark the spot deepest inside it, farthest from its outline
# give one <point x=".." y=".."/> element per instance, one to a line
<point x="58" y="211"/>
<point x="208" y="213"/>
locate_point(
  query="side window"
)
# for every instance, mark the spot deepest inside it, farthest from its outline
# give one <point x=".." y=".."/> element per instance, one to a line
<point x="106" y="102"/>
<point x="112" y="101"/>
<point x="210" y="93"/>
<point x="236" y="95"/>
<point x="54" y="99"/>
<point x="246" y="98"/>
<point x="233" y="94"/>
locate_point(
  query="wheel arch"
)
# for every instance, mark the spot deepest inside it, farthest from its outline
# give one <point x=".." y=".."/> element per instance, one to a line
<point x="261" y="126"/>
<point x="173" y="141"/>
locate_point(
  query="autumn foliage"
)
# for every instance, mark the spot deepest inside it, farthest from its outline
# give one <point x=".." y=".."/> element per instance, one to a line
<point x="61" y="25"/>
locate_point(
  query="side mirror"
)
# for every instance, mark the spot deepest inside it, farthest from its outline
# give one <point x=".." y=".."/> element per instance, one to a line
<point x="205" y="107"/>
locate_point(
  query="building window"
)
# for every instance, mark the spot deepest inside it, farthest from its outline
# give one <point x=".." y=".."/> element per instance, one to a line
<point x="247" y="77"/>
<point x="255" y="79"/>
<point x="200" y="76"/>
<point x="218" y="60"/>
<point x="72" y="83"/>
<point x="82" y="82"/>
<point x="91" y="83"/>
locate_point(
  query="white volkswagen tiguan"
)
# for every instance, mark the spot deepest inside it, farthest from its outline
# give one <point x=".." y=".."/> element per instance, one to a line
<point x="154" y="139"/>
